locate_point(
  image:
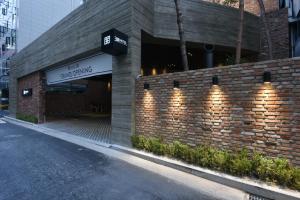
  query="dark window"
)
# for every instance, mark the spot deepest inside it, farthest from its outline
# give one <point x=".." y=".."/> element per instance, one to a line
<point x="4" y="11"/>
<point x="282" y="4"/>
<point x="7" y="41"/>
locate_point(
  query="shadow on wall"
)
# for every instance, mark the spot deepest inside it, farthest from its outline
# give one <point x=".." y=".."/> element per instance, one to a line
<point x="271" y="114"/>
<point x="217" y="116"/>
<point x="177" y="111"/>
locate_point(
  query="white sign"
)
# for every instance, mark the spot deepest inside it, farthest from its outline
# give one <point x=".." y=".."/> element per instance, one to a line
<point x="107" y="40"/>
<point x="97" y="65"/>
<point x="116" y="39"/>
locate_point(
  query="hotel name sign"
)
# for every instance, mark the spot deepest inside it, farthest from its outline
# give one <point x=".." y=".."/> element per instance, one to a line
<point x="97" y="65"/>
<point x="114" y="42"/>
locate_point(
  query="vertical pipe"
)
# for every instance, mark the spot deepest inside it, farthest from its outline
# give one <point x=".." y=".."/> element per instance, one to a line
<point x="209" y="55"/>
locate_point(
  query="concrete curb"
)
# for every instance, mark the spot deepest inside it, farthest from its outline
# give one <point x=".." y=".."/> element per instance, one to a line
<point x="247" y="185"/>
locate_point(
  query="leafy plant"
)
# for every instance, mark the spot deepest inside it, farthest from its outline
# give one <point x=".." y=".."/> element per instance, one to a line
<point x="241" y="163"/>
<point x="27" y="118"/>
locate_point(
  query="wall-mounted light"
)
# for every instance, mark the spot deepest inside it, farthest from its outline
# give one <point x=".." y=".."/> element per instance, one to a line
<point x="146" y="86"/>
<point x="176" y="84"/>
<point x="215" y="80"/>
<point x="267" y="77"/>
<point x="109" y="86"/>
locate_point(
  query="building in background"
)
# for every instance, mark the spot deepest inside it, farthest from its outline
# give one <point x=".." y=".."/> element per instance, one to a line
<point x="294" y="24"/>
<point x="7" y="38"/>
<point x="23" y="21"/>
<point x="36" y="17"/>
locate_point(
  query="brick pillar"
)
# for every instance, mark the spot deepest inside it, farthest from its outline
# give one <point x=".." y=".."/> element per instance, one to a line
<point x="32" y="105"/>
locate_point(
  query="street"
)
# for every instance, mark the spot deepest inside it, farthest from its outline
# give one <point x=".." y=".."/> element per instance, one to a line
<point x="38" y="167"/>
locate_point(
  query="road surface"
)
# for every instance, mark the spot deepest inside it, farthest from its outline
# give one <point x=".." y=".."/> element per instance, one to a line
<point x="34" y="166"/>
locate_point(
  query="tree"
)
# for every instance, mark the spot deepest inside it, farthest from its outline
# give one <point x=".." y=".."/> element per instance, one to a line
<point x="181" y="35"/>
<point x="266" y="26"/>
<point x="240" y="34"/>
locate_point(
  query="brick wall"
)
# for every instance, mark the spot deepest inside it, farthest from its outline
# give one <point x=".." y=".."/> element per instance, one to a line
<point x="279" y="29"/>
<point x="241" y="112"/>
<point x="35" y="104"/>
<point x="252" y="6"/>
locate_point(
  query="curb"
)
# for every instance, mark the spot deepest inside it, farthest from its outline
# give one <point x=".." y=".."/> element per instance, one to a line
<point x="250" y="186"/>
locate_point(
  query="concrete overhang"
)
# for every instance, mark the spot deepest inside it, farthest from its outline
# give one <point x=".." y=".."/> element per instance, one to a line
<point x="206" y="23"/>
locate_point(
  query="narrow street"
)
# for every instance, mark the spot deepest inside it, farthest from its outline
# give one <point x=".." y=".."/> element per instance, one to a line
<point x="38" y="167"/>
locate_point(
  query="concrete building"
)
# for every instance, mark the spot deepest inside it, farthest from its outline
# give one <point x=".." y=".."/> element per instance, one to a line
<point x="7" y="38"/>
<point x="36" y="17"/>
<point x="83" y="65"/>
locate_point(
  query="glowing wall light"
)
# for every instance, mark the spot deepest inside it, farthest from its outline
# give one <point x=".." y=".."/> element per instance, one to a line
<point x="146" y="86"/>
<point x="154" y="72"/>
<point x="267" y="77"/>
<point x="215" y="80"/>
<point x="109" y="86"/>
<point x="176" y="84"/>
<point x="142" y="72"/>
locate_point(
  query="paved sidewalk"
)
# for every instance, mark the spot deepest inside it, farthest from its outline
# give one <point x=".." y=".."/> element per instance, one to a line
<point x="97" y="129"/>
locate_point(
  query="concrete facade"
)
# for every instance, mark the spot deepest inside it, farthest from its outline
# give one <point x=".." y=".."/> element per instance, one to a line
<point x="79" y="35"/>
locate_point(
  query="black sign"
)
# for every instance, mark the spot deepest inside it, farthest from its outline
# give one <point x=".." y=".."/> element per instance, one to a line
<point x="27" y="92"/>
<point x="114" y="42"/>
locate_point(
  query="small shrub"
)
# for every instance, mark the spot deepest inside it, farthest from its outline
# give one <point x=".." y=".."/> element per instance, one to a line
<point x="242" y="163"/>
<point x="295" y="184"/>
<point x="181" y="151"/>
<point x="282" y="171"/>
<point x="156" y="146"/>
<point x="221" y="160"/>
<point x="135" y="141"/>
<point x="27" y="118"/>
<point x="256" y="161"/>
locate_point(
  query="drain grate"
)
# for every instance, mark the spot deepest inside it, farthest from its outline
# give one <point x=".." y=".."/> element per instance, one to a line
<point x="256" y="197"/>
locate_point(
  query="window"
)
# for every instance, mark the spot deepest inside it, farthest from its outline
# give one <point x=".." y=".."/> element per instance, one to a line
<point x="4" y="11"/>
<point x="7" y="41"/>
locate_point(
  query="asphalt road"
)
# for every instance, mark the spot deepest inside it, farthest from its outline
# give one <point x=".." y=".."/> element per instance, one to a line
<point x="3" y="112"/>
<point x="34" y="166"/>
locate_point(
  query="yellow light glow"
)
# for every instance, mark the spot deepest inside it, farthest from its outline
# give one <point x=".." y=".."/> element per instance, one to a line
<point x="109" y="86"/>
<point x="154" y="72"/>
<point x="142" y="72"/>
<point x="150" y="115"/>
<point x="177" y="108"/>
<point x="217" y="108"/>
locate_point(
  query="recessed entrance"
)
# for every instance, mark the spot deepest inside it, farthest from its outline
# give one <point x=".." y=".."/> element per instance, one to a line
<point x="81" y="107"/>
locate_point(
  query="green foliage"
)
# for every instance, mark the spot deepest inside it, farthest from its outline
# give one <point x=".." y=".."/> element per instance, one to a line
<point x="27" y="118"/>
<point x="230" y="60"/>
<point x="156" y="146"/>
<point x="242" y="163"/>
<point x="295" y="183"/>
